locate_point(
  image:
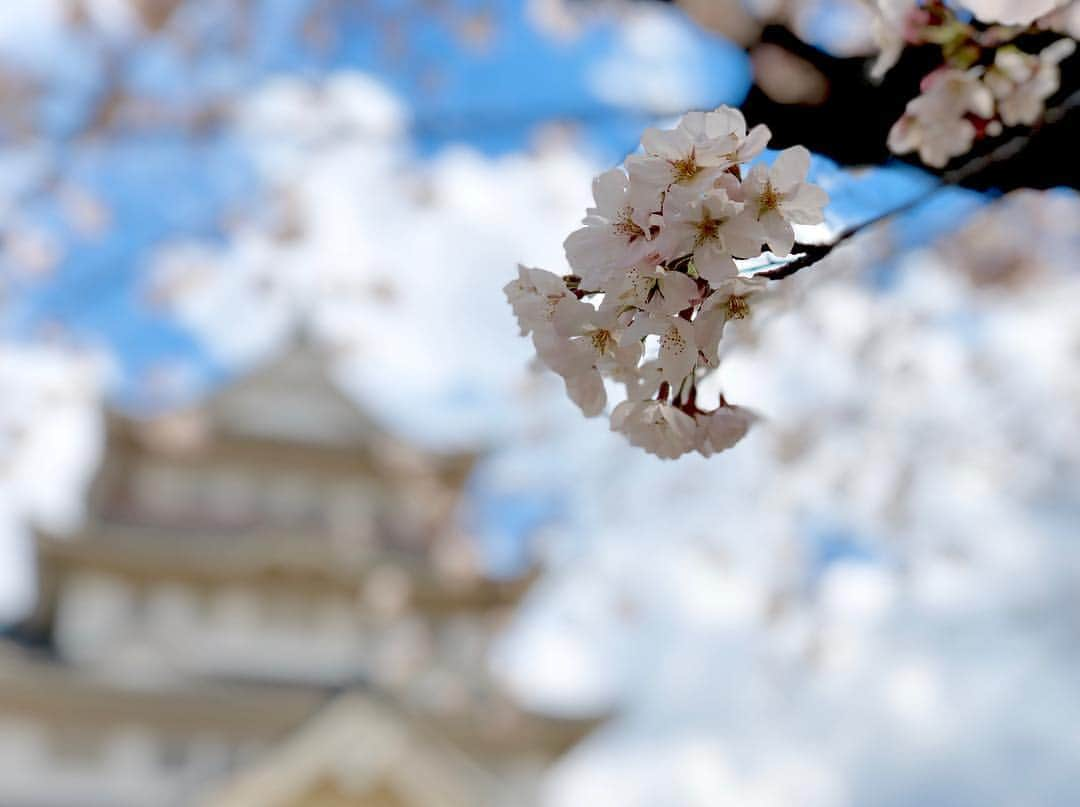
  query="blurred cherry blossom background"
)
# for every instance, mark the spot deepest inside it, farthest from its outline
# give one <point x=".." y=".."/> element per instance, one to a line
<point x="870" y="600"/>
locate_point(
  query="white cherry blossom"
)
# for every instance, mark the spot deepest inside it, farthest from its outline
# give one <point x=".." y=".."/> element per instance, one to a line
<point x="611" y="239"/>
<point x="935" y="123"/>
<point x="581" y="343"/>
<point x="780" y="196"/>
<point x="1012" y="12"/>
<point x="889" y="28"/>
<point x="657" y="281"/>
<point x="656" y="426"/>
<point x="677" y="348"/>
<point x="733" y="295"/>
<point x="674" y="157"/>
<point x="534" y="296"/>
<point x="1064" y="20"/>
<point x="586" y="389"/>
<point x="730" y="301"/>
<point x="692" y="155"/>
<point x="1022" y="82"/>
<point x="723" y="429"/>
<point x="653" y="289"/>
<point x="727" y="125"/>
<point x="711" y="227"/>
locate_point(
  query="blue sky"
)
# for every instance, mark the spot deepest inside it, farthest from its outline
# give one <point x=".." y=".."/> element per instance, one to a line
<point x="490" y="92"/>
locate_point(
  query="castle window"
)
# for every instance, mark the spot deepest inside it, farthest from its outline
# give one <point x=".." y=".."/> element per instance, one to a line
<point x="229" y="496"/>
<point x="292" y="500"/>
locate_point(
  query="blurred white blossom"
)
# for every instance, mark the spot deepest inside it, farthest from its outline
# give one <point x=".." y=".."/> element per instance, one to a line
<point x="852" y="607"/>
<point x="1022" y="82"/>
<point x="1012" y="12"/>
<point x="936" y="124"/>
<point x="51" y="441"/>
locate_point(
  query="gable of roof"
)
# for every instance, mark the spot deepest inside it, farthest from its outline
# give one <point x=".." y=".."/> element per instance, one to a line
<point x="365" y="752"/>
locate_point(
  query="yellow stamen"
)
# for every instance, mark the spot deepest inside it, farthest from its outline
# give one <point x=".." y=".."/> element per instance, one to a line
<point x="770" y="200"/>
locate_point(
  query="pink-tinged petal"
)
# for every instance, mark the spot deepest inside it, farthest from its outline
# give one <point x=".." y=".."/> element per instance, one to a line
<point x="708" y="328"/>
<point x="693" y="123"/>
<point x="652" y="171"/>
<point x="592" y="253"/>
<point x="641" y="215"/>
<point x="725" y="122"/>
<point x="678" y="350"/>
<point x="587" y="391"/>
<point x="753" y="186"/>
<point x="714" y="154"/>
<point x="946" y="141"/>
<point x="628" y="355"/>
<point x="805" y="205"/>
<point x="714" y="265"/>
<point x="649" y="178"/>
<point x="652" y="141"/>
<point x="744" y="245"/>
<point x="755" y="142"/>
<point x="622" y="413"/>
<point x="743" y="285"/>
<point x="677" y="290"/>
<point x="570" y="316"/>
<point x="727" y="426"/>
<point x="730" y="186"/>
<point x="981" y="102"/>
<point x="1059" y="51"/>
<point x="1010" y="12"/>
<point x="743" y="235"/>
<point x="904" y="135"/>
<point x="560" y="355"/>
<point x="644" y="383"/>
<point x="779" y="235"/>
<point x="671" y="144"/>
<point x="642" y="326"/>
<point x="1013" y="65"/>
<point x="682" y="426"/>
<point x="682" y="200"/>
<point x="1021" y="110"/>
<point x="676" y="238"/>
<point x="717" y="204"/>
<point x="790" y="168"/>
<point x="609" y="191"/>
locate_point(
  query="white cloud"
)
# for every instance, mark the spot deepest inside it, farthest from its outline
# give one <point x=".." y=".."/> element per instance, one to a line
<point x="655" y="64"/>
<point x="51" y="440"/>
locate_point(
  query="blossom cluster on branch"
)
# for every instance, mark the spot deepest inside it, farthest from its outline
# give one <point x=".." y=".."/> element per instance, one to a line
<point x="656" y="280"/>
<point x="986" y="81"/>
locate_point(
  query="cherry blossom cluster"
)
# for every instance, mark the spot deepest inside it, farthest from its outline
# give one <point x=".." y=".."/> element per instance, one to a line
<point x="986" y="83"/>
<point x="656" y="277"/>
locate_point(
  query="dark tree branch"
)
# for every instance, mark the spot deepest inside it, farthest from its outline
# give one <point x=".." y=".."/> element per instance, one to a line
<point x="851" y="125"/>
<point x="809" y="254"/>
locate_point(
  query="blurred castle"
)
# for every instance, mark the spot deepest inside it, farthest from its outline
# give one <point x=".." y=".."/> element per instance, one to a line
<point x="268" y="606"/>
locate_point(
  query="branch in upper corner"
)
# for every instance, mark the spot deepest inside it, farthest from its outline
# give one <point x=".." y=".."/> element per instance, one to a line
<point x="809" y="254"/>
